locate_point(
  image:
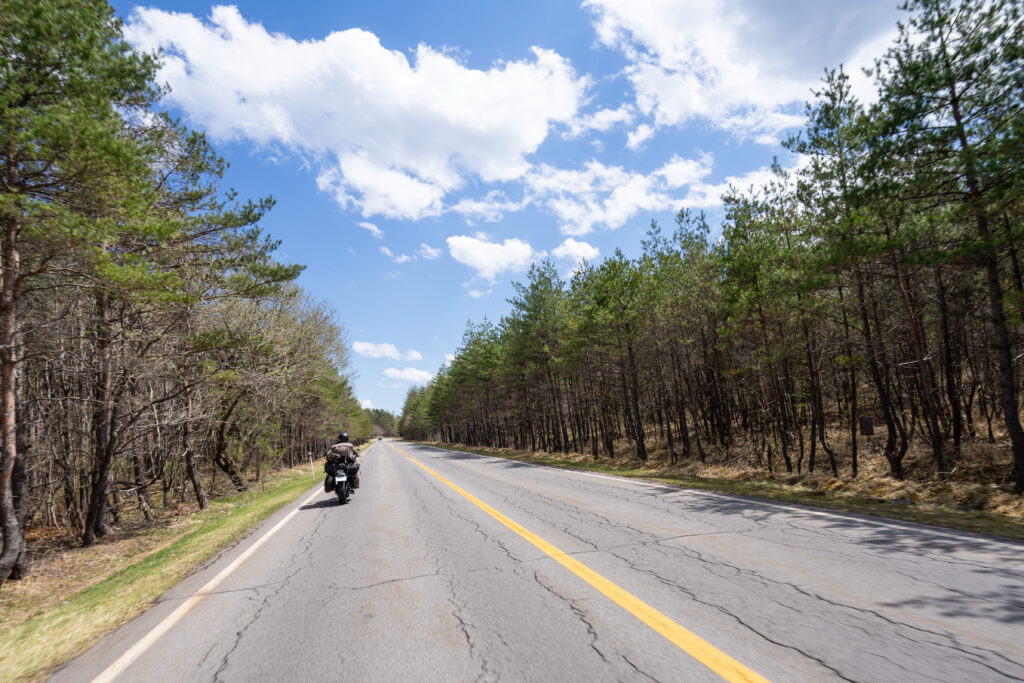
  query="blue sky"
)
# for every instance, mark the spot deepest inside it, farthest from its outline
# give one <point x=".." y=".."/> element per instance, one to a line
<point x="423" y="154"/>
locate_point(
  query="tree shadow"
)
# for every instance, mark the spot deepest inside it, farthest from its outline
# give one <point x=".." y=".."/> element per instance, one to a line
<point x="997" y="562"/>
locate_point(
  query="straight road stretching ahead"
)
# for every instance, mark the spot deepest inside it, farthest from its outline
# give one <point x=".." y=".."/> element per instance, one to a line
<point x="459" y="567"/>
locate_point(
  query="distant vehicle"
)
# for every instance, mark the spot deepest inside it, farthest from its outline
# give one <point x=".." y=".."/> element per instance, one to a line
<point x="380" y="438"/>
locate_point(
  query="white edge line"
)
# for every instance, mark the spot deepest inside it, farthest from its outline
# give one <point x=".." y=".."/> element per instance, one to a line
<point x="885" y="523"/>
<point x="144" y="643"/>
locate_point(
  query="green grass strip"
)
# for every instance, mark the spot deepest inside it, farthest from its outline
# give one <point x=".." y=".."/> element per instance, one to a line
<point x="30" y="649"/>
<point x="935" y="515"/>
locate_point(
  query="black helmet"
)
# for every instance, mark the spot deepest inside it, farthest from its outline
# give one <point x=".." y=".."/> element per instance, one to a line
<point x="343" y="437"/>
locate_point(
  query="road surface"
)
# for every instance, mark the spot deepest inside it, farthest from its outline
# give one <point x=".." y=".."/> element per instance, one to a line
<point x="457" y="567"/>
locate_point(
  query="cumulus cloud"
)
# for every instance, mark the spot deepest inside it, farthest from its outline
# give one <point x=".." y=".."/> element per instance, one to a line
<point x="480" y="293"/>
<point x="241" y="82"/>
<point x="373" y="229"/>
<point x="488" y="258"/>
<point x="745" y="66"/>
<point x="636" y="139"/>
<point x="366" y="403"/>
<point x="575" y="251"/>
<point x="371" y="350"/>
<point x="413" y="375"/>
<point x="449" y="357"/>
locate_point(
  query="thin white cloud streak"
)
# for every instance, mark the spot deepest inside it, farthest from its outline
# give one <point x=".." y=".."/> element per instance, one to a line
<point x="373" y="229"/>
<point x="397" y="258"/>
<point x="428" y="252"/>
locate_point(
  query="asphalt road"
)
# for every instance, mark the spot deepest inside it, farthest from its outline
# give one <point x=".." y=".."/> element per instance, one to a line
<point x="415" y="581"/>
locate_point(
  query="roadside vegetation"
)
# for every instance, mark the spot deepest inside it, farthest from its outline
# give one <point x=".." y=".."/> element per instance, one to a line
<point x="858" y="320"/>
<point x="78" y="595"/>
<point x="154" y="353"/>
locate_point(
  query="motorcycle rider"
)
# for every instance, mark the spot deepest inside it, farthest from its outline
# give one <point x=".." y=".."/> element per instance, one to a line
<point x="343" y="454"/>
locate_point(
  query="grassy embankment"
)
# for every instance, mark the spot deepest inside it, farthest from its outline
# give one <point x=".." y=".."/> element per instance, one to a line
<point x="47" y="619"/>
<point x="935" y="503"/>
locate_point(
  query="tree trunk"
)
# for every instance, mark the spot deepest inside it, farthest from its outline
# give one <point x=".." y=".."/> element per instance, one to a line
<point x="13" y="538"/>
<point x="95" y="524"/>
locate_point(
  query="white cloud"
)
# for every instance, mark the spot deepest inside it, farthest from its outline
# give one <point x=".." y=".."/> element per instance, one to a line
<point x="372" y="350"/>
<point x="679" y="172"/>
<point x="366" y="403"/>
<point x="488" y="258"/>
<point x="413" y="375"/>
<point x="374" y="230"/>
<point x="602" y="121"/>
<point x="608" y="196"/>
<point x="449" y="357"/>
<point x="636" y="139"/>
<point x="425" y="251"/>
<point x="746" y="66"/>
<point x="480" y="293"/>
<point x="489" y="209"/>
<point x="397" y="258"/>
<point x="705" y="195"/>
<point x="428" y="252"/>
<point x="358" y="109"/>
<point x="576" y="251"/>
<point x="385" y="350"/>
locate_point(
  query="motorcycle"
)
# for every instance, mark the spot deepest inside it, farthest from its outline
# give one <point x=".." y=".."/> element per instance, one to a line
<point x="342" y="479"/>
<point x="341" y="485"/>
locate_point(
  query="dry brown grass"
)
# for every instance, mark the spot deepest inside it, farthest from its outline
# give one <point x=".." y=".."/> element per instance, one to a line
<point x="60" y="566"/>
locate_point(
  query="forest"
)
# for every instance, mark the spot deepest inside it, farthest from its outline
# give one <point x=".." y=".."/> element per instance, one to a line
<point x="149" y="340"/>
<point x="875" y="287"/>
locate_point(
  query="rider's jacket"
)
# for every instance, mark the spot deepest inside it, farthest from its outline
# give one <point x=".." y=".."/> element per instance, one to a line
<point x="344" y="451"/>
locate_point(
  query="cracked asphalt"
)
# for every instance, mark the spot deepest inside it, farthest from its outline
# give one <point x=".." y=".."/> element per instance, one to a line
<point x="412" y="582"/>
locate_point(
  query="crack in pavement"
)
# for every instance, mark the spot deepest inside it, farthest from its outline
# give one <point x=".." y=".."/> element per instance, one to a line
<point x="724" y="610"/>
<point x="465" y="627"/>
<point x="952" y="643"/>
<point x="591" y="630"/>
<point x="306" y="552"/>
<point x="884" y="549"/>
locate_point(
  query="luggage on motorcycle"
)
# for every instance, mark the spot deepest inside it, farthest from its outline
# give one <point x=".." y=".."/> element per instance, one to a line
<point x="328" y="484"/>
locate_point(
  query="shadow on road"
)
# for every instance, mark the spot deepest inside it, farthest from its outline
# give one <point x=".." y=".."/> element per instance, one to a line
<point x="327" y="503"/>
<point x="999" y="558"/>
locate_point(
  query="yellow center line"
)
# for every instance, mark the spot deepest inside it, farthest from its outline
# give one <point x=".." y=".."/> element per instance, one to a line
<point x="687" y="641"/>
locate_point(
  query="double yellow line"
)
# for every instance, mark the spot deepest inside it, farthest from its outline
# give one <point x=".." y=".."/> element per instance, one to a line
<point x="695" y="646"/>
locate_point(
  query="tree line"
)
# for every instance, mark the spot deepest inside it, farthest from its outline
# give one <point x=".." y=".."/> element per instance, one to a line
<point x="148" y="336"/>
<point x="880" y="284"/>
